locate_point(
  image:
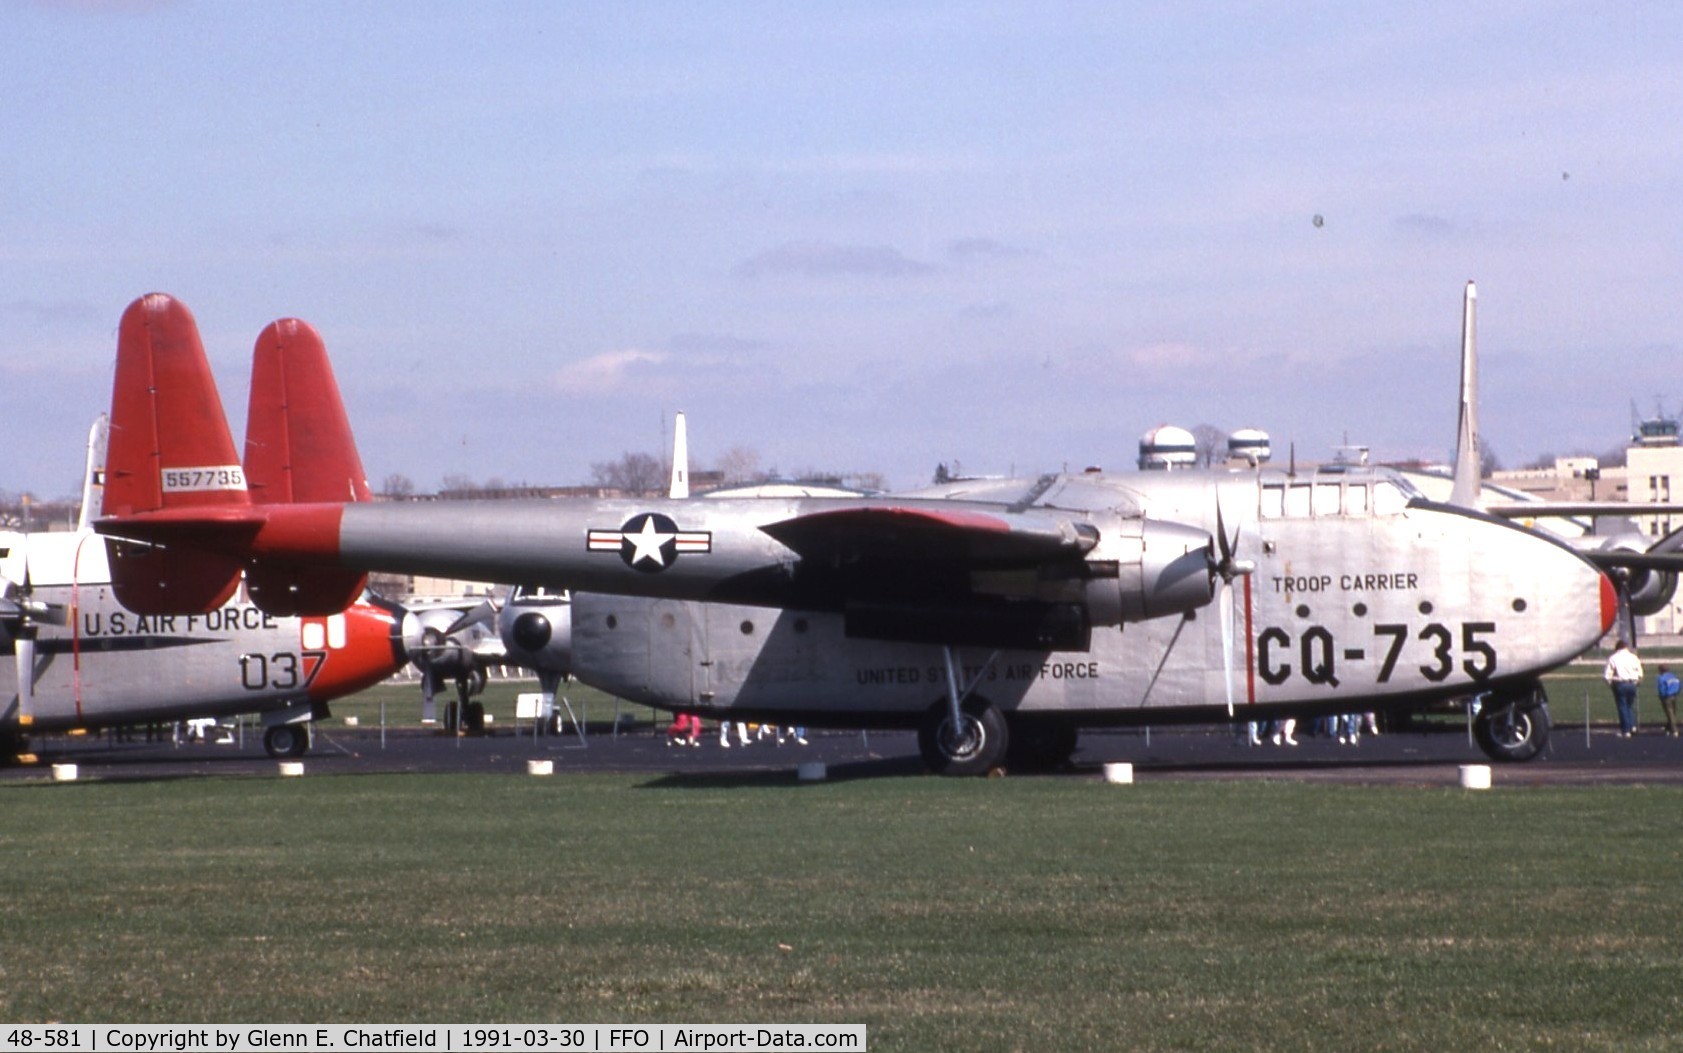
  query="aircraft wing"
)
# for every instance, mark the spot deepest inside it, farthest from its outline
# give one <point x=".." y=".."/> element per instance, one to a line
<point x="904" y="533"/>
<point x="1627" y="559"/>
<point x="1552" y="509"/>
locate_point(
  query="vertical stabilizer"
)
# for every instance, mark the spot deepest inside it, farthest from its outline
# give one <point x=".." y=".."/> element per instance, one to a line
<point x="298" y="442"/>
<point x="1469" y="454"/>
<point x="169" y="445"/>
<point x="680" y="457"/>
<point x="299" y="449"/>
<point x="93" y="476"/>
<point x="169" y="449"/>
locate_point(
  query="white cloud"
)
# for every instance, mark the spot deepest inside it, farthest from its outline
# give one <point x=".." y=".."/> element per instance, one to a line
<point x="610" y="372"/>
<point x="810" y="259"/>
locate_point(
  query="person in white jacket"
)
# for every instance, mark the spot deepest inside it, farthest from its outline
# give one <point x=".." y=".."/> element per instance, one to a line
<point x="1624" y="673"/>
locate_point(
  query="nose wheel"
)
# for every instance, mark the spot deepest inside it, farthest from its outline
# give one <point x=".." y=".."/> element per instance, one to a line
<point x="1513" y="727"/>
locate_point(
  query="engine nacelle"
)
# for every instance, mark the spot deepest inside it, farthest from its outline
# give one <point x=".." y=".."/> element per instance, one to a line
<point x="1650" y="590"/>
<point x="1144" y="568"/>
<point x="537" y="630"/>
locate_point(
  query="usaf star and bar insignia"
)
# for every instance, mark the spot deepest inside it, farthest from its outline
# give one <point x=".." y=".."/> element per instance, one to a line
<point x="649" y="542"/>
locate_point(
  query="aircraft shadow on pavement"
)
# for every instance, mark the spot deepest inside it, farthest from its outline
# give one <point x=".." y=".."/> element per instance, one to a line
<point x="847" y="771"/>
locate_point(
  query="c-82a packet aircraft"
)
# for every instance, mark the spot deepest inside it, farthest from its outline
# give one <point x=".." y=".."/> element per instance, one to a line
<point x="981" y="614"/>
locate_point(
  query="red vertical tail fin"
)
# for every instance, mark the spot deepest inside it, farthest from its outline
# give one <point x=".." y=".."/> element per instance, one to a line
<point x="169" y="449"/>
<point x="299" y="449"/>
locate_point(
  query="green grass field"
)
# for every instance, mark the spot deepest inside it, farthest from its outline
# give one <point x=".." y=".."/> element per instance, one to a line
<point x="1030" y="914"/>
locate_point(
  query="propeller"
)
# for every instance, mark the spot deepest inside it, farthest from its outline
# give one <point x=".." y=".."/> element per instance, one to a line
<point x="1626" y="618"/>
<point x="442" y="655"/>
<point x="484" y="614"/>
<point x="21" y="615"/>
<point x="1226" y="565"/>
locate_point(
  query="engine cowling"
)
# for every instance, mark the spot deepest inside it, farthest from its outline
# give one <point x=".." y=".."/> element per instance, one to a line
<point x="1145" y="568"/>
<point x="1649" y="590"/>
<point x="537" y="630"/>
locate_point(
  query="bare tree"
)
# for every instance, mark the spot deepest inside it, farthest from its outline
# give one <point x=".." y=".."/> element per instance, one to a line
<point x="638" y="474"/>
<point x="739" y="465"/>
<point x="397" y="486"/>
<point x="1489" y="462"/>
<point x="456" y="482"/>
<point x="1211" y="442"/>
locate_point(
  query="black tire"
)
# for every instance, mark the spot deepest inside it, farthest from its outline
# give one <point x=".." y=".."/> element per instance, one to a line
<point x="1512" y="728"/>
<point x="974" y="749"/>
<point x="287" y="740"/>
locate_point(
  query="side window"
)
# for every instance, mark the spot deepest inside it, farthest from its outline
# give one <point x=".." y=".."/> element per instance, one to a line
<point x="1273" y="501"/>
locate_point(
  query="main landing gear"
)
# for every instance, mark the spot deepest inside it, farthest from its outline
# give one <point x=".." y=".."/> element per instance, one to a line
<point x="287" y="740"/>
<point x="973" y="745"/>
<point x="1513" y="726"/>
<point x="965" y="734"/>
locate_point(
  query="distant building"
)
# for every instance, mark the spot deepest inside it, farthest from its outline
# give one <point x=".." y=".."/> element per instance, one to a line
<point x="1653" y="459"/>
<point x="1167" y="447"/>
<point x="1571" y="479"/>
<point x="1249" y="446"/>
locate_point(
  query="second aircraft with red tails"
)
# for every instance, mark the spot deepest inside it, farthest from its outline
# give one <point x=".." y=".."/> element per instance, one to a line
<point x="991" y="616"/>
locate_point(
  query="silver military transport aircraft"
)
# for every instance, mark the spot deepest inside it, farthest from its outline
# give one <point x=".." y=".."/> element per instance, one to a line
<point x="980" y="613"/>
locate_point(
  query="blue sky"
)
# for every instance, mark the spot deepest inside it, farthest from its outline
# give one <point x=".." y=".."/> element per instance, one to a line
<point x="872" y="236"/>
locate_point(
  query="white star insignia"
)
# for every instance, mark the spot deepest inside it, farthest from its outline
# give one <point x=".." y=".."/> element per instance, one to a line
<point x="647" y="542"/>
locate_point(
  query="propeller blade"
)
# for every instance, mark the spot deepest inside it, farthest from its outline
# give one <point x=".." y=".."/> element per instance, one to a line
<point x="1226" y="604"/>
<point x="25" y="652"/>
<point x="1626" y="617"/>
<point x="484" y="614"/>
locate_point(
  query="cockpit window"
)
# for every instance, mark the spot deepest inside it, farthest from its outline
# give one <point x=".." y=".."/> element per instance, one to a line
<point x="1355" y="499"/>
<point x="536" y="594"/>
<point x="1298" y="499"/>
<point x="1334" y="495"/>
<point x="1389" y="498"/>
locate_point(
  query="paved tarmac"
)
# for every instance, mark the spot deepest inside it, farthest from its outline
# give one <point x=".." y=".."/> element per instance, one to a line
<point x="1423" y="758"/>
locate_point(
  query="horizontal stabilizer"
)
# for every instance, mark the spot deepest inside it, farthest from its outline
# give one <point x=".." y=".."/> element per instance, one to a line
<point x="169" y="450"/>
<point x="299" y="449"/>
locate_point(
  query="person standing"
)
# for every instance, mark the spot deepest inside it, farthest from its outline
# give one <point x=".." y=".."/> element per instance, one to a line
<point x="1668" y="686"/>
<point x="1624" y="673"/>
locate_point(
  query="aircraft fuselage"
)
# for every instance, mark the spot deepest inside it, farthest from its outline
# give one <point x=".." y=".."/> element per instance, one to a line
<point x="1358" y="599"/>
<point x="108" y="665"/>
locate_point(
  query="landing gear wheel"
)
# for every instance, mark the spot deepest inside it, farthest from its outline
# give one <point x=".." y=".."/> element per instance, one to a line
<point x="287" y="740"/>
<point x="1512" y="728"/>
<point x="1037" y="746"/>
<point x="974" y="748"/>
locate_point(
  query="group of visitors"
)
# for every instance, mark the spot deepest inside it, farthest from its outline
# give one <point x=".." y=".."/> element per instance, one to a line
<point x="1346" y="727"/>
<point x="685" y="730"/>
<point x="1624" y="674"/>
